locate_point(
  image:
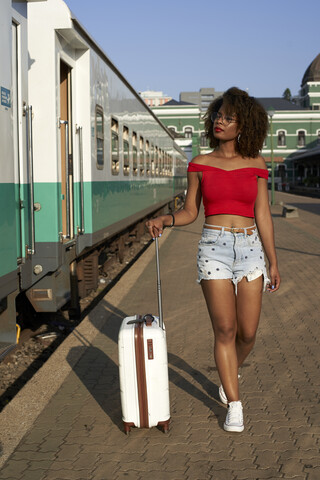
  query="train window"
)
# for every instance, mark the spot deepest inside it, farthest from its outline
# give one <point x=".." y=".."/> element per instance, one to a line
<point x="170" y="165"/>
<point x="126" y="159"/>
<point x="156" y="161"/>
<point x="148" y="171"/>
<point x="141" y="156"/>
<point x="115" y="146"/>
<point x="134" y="153"/>
<point x="164" y="156"/>
<point x="164" y="163"/>
<point x="99" y="138"/>
<point x="152" y="160"/>
<point x="160" y="163"/>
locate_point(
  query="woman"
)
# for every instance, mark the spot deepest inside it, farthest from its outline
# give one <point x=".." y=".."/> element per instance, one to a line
<point x="232" y="180"/>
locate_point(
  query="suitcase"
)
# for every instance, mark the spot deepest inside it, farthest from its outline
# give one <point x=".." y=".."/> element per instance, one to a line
<point x="143" y="368"/>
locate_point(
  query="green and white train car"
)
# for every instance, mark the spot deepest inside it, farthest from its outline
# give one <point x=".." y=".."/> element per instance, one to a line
<point x="16" y="214"/>
<point x="98" y="159"/>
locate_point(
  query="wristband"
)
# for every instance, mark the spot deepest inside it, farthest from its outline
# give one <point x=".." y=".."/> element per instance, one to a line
<point x="172" y="223"/>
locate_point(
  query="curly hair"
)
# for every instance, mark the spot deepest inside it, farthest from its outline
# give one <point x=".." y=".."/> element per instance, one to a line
<point x="251" y="117"/>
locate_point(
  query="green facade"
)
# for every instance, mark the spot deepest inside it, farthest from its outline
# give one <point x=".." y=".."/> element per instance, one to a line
<point x="292" y="131"/>
<point x="182" y="117"/>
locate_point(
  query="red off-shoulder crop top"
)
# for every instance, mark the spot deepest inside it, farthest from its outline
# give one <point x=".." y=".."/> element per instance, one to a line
<point x="231" y="192"/>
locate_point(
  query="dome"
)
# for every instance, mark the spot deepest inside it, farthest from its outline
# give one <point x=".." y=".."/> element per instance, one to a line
<point x="312" y="74"/>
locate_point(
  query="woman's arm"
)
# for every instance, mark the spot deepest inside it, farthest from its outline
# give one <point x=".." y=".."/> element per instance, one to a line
<point x="186" y="215"/>
<point x="265" y="226"/>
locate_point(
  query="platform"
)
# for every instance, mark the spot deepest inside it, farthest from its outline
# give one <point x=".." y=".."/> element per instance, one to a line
<point x="66" y="423"/>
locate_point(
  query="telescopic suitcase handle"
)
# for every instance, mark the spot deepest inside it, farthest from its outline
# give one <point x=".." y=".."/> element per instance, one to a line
<point x="159" y="284"/>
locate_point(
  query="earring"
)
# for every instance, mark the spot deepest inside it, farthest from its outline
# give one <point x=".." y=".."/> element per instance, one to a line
<point x="239" y="136"/>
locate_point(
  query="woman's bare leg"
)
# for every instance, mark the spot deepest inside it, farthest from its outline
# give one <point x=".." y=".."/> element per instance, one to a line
<point x="248" y="306"/>
<point x="221" y="302"/>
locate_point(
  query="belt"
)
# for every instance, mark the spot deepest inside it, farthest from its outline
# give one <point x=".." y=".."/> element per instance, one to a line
<point x="246" y="230"/>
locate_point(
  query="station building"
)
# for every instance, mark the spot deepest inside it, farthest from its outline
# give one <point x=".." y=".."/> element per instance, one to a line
<point x="294" y="135"/>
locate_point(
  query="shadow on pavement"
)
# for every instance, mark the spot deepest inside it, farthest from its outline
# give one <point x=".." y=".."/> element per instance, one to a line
<point x="102" y="381"/>
<point x="298" y="251"/>
<point x="100" y="374"/>
<point x="210" y="388"/>
<point x="308" y="207"/>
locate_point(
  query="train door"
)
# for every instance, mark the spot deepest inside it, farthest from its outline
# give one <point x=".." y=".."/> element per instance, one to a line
<point x="16" y="152"/>
<point x="66" y="152"/>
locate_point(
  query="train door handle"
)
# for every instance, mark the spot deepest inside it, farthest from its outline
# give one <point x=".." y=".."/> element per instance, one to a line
<point x="27" y="109"/>
<point x="66" y="123"/>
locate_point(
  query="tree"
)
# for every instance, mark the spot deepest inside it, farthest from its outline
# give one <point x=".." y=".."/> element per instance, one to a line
<point x="287" y="94"/>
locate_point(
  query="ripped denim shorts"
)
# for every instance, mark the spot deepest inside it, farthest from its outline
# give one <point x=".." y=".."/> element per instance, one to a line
<point x="223" y="254"/>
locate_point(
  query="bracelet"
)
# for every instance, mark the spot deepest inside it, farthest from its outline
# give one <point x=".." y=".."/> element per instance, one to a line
<point x="172" y="223"/>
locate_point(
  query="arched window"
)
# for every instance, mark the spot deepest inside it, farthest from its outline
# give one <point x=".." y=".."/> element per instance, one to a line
<point x="301" y="138"/>
<point x="281" y="138"/>
<point x="203" y="140"/>
<point x="188" y="132"/>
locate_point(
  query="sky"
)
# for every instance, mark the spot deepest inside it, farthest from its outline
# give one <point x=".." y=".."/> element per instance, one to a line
<point x="262" y="46"/>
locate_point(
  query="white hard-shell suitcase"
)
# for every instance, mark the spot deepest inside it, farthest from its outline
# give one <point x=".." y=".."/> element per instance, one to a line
<point x="143" y="369"/>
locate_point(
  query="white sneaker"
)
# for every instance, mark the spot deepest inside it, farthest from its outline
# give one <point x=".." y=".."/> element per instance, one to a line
<point x="234" y="419"/>
<point x="222" y="395"/>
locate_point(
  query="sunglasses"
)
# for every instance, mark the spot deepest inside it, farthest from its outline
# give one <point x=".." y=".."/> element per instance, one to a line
<point x="224" y="118"/>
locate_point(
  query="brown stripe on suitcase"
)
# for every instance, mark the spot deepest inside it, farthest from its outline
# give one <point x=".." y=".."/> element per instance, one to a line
<point x="141" y="375"/>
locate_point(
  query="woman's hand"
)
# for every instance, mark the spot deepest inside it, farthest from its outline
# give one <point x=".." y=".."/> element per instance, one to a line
<point x="274" y="279"/>
<point x="155" y="227"/>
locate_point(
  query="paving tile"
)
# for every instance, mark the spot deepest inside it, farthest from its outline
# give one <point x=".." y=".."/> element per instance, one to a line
<point x="107" y="467"/>
<point x="175" y="461"/>
<point x="198" y="470"/>
<point x="220" y="475"/>
<point x="313" y="474"/>
<point x="258" y="474"/>
<point x="33" y="474"/>
<point x="66" y="475"/>
<point x="292" y="467"/>
<point x="13" y="470"/>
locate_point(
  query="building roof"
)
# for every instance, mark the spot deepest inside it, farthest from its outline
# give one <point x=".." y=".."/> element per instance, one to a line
<point x="175" y="102"/>
<point x="312" y="74"/>
<point x="306" y="154"/>
<point x="277" y="103"/>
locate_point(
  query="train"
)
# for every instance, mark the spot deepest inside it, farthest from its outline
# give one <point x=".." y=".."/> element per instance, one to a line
<point x="83" y="158"/>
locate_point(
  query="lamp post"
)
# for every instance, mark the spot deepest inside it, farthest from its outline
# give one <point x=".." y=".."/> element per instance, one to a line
<point x="271" y="113"/>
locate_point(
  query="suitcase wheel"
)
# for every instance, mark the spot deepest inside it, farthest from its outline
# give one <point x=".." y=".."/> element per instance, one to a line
<point x="127" y="427"/>
<point x="164" y="426"/>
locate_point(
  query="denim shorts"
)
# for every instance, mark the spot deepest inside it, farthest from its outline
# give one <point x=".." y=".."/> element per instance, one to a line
<point x="226" y="255"/>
